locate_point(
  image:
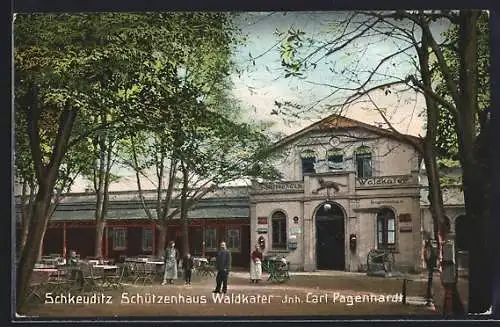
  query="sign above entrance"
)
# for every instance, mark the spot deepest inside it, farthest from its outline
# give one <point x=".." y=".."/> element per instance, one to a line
<point x="386" y="201"/>
<point x="405" y="217"/>
<point x="262" y="230"/>
<point x="384" y="180"/>
<point x="281" y="187"/>
<point x="405" y="229"/>
<point x="262" y="220"/>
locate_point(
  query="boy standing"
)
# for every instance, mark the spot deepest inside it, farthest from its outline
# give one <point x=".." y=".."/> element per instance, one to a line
<point x="187" y="266"/>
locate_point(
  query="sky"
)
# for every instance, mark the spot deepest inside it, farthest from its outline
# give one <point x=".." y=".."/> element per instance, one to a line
<point x="261" y="85"/>
<point x="258" y="86"/>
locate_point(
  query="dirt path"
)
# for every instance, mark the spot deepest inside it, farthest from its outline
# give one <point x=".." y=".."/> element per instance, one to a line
<point x="242" y="299"/>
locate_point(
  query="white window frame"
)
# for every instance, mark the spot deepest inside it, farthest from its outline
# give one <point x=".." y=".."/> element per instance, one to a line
<point x="147" y="232"/>
<point x="120" y="232"/>
<point x="207" y="246"/>
<point x="229" y="247"/>
<point x="363" y="150"/>
<point x="279" y="246"/>
<point x="383" y="235"/>
<point x="335" y="166"/>
<point x="308" y="154"/>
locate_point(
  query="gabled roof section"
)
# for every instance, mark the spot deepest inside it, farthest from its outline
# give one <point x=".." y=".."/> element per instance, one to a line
<point x="335" y="121"/>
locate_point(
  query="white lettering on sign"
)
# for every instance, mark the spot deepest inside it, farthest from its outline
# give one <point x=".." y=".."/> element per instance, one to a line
<point x="280" y="186"/>
<point x="384" y="180"/>
<point x="386" y="201"/>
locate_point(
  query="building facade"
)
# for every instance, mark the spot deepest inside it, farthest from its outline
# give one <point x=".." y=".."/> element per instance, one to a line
<point x="220" y="215"/>
<point x="346" y="188"/>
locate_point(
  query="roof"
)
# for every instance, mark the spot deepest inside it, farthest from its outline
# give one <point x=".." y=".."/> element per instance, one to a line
<point x="335" y="121"/>
<point x="196" y="213"/>
<point x="228" y="209"/>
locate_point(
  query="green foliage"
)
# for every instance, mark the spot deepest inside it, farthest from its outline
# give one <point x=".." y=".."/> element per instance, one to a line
<point x="447" y="142"/>
<point x="113" y="67"/>
<point x="289" y="51"/>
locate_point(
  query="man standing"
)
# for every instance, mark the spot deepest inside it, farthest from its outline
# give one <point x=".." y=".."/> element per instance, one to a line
<point x="223" y="265"/>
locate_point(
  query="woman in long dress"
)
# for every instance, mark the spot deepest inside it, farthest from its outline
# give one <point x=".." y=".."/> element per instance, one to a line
<point x="256" y="265"/>
<point x="171" y="257"/>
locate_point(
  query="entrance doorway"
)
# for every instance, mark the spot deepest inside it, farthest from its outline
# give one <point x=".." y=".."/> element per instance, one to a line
<point x="330" y="246"/>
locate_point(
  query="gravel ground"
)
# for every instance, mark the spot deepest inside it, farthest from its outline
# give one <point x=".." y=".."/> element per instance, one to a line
<point x="302" y="295"/>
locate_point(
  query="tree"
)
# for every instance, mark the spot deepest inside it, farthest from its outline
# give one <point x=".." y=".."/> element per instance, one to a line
<point x="218" y="151"/>
<point x="416" y="41"/>
<point x="194" y="118"/>
<point x="63" y="65"/>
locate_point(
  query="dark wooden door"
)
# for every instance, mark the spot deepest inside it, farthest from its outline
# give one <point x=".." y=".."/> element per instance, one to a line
<point x="330" y="244"/>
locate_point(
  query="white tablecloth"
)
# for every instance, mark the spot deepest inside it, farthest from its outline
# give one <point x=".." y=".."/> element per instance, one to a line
<point x="106" y="267"/>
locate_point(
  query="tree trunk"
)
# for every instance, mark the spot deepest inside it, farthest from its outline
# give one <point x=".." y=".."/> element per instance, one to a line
<point x="24" y="217"/>
<point x="160" y="246"/>
<point x="27" y="209"/>
<point x="102" y="194"/>
<point x="430" y="277"/>
<point x="40" y="248"/>
<point x="30" y="253"/>
<point x="46" y="176"/>
<point x="99" y="233"/>
<point x="429" y="150"/>
<point x="480" y="297"/>
<point x="184" y="208"/>
<point x="473" y="175"/>
<point x="99" y="227"/>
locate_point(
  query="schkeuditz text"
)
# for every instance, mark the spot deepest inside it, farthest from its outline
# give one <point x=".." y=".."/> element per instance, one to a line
<point x="68" y="298"/>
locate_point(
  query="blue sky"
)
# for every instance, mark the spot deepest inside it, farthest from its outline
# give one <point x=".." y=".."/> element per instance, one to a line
<point x="260" y="85"/>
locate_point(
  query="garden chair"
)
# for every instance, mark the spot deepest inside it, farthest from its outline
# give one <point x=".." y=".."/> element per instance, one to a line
<point x="37" y="287"/>
<point x="59" y="282"/>
<point x="146" y="273"/>
<point x="116" y="280"/>
<point x="92" y="277"/>
<point x="130" y="271"/>
<point x="73" y="276"/>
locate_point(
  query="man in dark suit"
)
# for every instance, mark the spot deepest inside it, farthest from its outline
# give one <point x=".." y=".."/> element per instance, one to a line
<point x="223" y="265"/>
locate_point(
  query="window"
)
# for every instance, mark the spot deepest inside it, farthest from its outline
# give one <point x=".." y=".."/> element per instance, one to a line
<point x="308" y="158"/>
<point x="386" y="229"/>
<point x="147" y="239"/>
<point x="210" y="239"/>
<point x="364" y="162"/>
<point x="119" y="238"/>
<point x="279" y="230"/>
<point x="233" y="240"/>
<point x="335" y="159"/>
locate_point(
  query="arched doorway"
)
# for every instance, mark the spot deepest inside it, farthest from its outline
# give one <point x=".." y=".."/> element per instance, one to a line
<point x="330" y="245"/>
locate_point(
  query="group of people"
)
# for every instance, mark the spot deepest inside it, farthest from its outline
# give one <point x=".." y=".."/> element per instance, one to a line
<point x="222" y="264"/>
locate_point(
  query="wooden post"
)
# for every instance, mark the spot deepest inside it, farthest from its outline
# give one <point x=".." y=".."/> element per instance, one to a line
<point x="64" y="249"/>
<point x="153" y="228"/>
<point x="404" y="291"/>
<point x="105" y="241"/>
